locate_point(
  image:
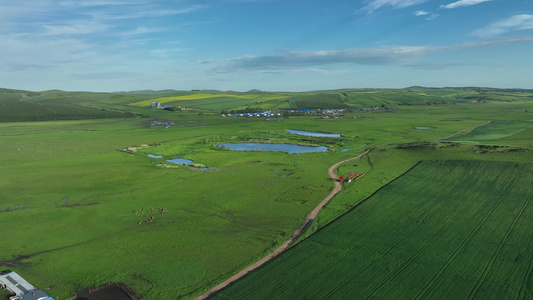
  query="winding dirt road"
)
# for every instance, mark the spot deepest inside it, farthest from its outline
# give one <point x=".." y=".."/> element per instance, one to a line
<point x="294" y="236"/>
<point x="305" y="224"/>
<point x="460" y="131"/>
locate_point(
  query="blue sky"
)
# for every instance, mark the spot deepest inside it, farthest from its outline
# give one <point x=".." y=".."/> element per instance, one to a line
<point x="273" y="45"/>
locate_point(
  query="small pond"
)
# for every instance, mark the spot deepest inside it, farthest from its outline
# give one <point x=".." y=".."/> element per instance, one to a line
<point x="155" y="156"/>
<point x="180" y="161"/>
<point x="424" y="127"/>
<point x="313" y="133"/>
<point x="289" y="148"/>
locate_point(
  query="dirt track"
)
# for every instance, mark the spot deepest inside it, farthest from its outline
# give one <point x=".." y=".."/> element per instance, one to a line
<point x="460" y="131"/>
<point x="294" y="236"/>
<point x="305" y="224"/>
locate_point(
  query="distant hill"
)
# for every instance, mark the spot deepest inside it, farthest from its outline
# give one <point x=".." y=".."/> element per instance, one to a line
<point x="20" y="105"/>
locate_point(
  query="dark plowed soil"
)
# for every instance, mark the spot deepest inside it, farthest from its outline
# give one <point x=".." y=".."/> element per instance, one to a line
<point x="115" y="291"/>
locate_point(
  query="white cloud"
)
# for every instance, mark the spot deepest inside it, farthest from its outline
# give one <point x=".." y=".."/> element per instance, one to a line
<point x="377" y="4"/>
<point x="393" y="55"/>
<point x="143" y="30"/>
<point x="81" y="3"/>
<point x="428" y="15"/>
<point x="421" y="13"/>
<point x="489" y="43"/>
<point x="140" y="13"/>
<point x="290" y="59"/>
<point x="17" y="50"/>
<point x="463" y="3"/>
<point x="518" y="22"/>
<point x="76" y="28"/>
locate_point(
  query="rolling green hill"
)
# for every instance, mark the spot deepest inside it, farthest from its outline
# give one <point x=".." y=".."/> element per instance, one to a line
<point x="20" y="105"/>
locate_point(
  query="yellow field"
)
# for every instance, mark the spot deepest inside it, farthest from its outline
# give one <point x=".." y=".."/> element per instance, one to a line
<point x="200" y="96"/>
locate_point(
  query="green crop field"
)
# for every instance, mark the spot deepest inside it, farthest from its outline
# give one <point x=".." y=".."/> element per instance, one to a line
<point x="499" y="133"/>
<point x="445" y="230"/>
<point x="319" y="101"/>
<point x="97" y="188"/>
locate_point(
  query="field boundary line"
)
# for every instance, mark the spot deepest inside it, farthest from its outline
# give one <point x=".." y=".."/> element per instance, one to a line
<point x="294" y="236"/>
<point x="463" y="130"/>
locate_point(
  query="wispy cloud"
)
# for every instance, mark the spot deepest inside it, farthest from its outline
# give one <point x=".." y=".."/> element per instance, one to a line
<point x="377" y="4"/>
<point x="18" y="50"/>
<point x="394" y="55"/>
<point x="142" y="13"/>
<point x="76" y="28"/>
<point x="82" y="3"/>
<point x="143" y="30"/>
<point x="439" y="66"/>
<point x="463" y="3"/>
<point x="518" y="22"/>
<point x="425" y="14"/>
<point x="297" y="59"/>
<point x="489" y="43"/>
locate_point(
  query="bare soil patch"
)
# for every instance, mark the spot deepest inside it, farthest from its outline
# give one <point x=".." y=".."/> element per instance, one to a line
<point x="16" y="261"/>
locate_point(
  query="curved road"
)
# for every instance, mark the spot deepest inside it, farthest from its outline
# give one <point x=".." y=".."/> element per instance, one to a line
<point x="460" y="131"/>
<point x="294" y="236"/>
<point x="305" y="224"/>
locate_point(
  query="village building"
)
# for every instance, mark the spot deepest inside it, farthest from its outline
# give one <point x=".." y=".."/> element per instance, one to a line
<point x="156" y="104"/>
<point x="21" y="289"/>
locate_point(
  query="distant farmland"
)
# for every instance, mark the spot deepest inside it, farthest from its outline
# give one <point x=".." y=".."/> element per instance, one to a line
<point x="445" y="230"/>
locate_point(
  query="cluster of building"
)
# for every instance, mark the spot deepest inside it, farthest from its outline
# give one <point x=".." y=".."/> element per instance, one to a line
<point x="287" y="112"/>
<point x="265" y="113"/>
<point x="20" y="288"/>
<point x="316" y="111"/>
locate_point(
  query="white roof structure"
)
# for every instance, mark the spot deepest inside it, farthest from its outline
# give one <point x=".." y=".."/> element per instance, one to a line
<point x="22" y="289"/>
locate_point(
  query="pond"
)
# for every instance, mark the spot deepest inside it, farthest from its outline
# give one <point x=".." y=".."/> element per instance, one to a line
<point x="424" y="127"/>
<point x="155" y="156"/>
<point x="313" y="133"/>
<point x="180" y="161"/>
<point x="289" y="148"/>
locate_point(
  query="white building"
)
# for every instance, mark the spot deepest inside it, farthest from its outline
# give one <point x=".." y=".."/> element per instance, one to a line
<point x="22" y="289"/>
<point x="156" y="104"/>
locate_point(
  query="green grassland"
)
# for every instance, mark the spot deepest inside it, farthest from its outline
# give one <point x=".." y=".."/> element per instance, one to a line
<point x="15" y="106"/>
<point x="19" y="106"/>
<point x="332" y="101"/>
<point x="499" y="133"/>
<point x="70" y="194"/>
<point x="445" y="230"/>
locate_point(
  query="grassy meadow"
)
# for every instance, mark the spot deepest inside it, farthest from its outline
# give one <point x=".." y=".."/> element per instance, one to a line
<point x="83" y="204"/>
